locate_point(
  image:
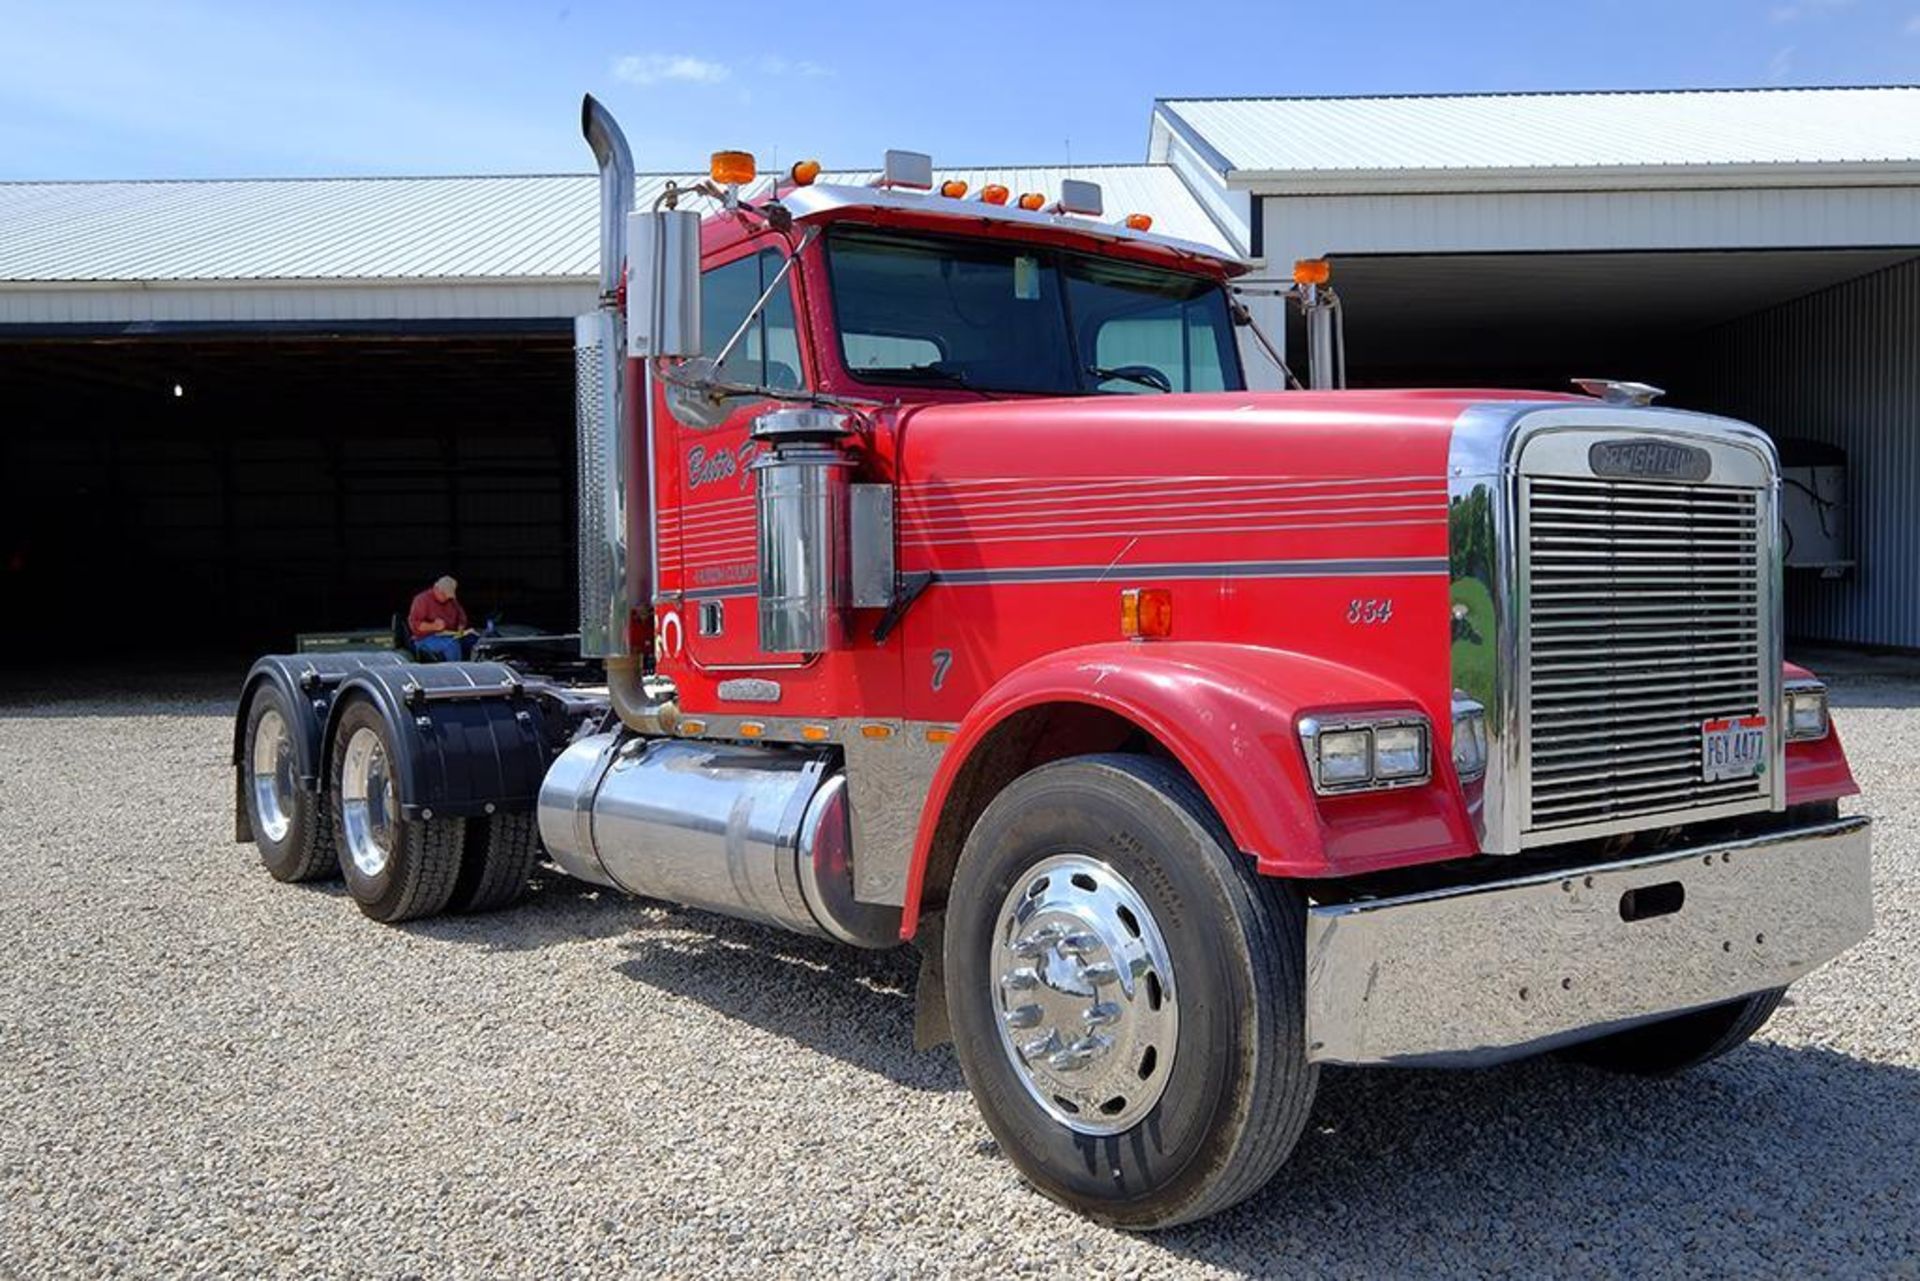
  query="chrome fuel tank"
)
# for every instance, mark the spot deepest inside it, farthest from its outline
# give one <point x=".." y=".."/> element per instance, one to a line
<point x="755" y="832"/>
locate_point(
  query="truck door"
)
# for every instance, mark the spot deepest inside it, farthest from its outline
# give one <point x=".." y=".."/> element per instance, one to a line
<point x="715" y="526"/>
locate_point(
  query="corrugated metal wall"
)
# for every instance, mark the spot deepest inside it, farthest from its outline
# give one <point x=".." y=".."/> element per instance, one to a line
<point x="1842" y="366"/>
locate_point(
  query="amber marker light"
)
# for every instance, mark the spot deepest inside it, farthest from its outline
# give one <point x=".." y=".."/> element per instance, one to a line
<point x="1139" y="222"/>
<point x="693" y="727"/>
<point x="938" y="735"/>
<point x="814" y="733"/>
<point x="1146" y="613"/>
<point x="804" y="172"/>
<point x="752" y="729"/>
<point x="953" y="187"/>
<point x="876" y="731"/>
<point x="731" y="168"/>
<point x="994" y="194"/>
<point x="1032" y="200"/>
<point x="1312" y="271"/>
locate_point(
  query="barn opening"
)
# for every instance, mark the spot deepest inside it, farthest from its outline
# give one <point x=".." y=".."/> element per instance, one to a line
<point x="219" y="494"/>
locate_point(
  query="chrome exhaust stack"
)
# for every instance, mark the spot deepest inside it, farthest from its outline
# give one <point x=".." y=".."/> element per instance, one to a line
<point x="615" y="515"/>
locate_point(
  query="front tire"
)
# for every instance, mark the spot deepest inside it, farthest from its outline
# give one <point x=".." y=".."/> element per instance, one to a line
<point x="396" y="868"/>
<point x="1684" y="1041"/>
<point x="292" y="827"/>
<point x="1127" y="993"/>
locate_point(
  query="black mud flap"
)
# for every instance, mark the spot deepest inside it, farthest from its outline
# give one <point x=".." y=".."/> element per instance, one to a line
<point x="469" y="738"/>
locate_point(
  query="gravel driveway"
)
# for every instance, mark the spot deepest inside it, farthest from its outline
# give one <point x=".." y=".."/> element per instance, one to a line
<point x="204" y="1072"/>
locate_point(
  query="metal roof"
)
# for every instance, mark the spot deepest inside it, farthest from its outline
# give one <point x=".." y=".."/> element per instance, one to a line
<point x="1654" y="130"/>
<point x="408" y="229"/>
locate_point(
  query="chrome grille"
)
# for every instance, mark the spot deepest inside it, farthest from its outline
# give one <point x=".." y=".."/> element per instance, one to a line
<point x="1645" y="616"/>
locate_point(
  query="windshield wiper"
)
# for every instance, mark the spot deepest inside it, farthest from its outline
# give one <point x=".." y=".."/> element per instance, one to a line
<point x="932" y="372"/>
<point x="1144" y="375"/>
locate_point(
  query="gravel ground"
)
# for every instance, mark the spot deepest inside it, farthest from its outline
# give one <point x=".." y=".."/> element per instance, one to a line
<point x="204" y="1072"/>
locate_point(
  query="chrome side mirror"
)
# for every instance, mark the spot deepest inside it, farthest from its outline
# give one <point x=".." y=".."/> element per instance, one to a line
<point x="663" y="283"/>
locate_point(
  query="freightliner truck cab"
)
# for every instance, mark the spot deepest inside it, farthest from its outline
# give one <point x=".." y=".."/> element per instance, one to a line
<point x="950" y="587"/>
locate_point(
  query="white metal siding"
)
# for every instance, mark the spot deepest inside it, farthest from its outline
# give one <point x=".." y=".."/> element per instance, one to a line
<point x="1509" y="222"/>
<point x="1560" y="130"/>
<point x="1843" y="366"/>
<point x="292" y="301"/>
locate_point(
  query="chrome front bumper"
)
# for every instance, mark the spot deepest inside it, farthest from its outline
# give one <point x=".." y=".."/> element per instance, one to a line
<point x="1497" y="971"/>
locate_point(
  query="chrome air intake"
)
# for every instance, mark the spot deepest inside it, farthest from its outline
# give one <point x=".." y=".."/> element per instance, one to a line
<point x="1615" y="590"/>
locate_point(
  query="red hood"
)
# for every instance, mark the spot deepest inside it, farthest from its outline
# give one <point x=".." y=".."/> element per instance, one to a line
<point x="1284" y="479"/>
<point x="1349" y="434"/>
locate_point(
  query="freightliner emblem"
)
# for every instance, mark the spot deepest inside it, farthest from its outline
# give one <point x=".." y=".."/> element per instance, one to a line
<point x="1649" y="460"/>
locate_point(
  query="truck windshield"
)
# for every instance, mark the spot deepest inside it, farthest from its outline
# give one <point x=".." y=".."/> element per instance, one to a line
<point x="991" y="316"/>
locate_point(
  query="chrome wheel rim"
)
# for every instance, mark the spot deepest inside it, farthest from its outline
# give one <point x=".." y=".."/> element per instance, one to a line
<point x="1084" y="994"/>
<point x="272" y="777"/>
<point x="366" y="802"/>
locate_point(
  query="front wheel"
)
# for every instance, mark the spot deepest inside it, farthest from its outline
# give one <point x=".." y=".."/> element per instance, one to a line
<point x="1127" y="994"/>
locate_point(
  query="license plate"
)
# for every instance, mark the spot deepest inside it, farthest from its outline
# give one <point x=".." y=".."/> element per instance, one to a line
<point x="1733" y="748"/>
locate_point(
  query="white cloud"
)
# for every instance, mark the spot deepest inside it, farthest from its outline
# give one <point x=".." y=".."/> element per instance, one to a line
<point x="1780" y="64"/>
<point x="773" y="64"/>
<point x="657" y="68"/>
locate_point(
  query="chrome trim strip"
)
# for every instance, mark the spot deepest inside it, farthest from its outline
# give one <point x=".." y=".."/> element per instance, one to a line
<point x="1481" y="973"/>
<point x="1104" y="572"/>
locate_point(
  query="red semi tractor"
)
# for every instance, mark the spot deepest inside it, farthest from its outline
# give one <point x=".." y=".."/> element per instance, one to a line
<point x="950" y="587"/>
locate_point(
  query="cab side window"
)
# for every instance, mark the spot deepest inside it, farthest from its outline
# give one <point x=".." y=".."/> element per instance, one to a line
<point x="768" y="354"/>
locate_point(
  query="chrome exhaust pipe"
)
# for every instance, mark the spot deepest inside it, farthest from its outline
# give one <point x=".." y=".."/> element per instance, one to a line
<point x="616" y="520"/>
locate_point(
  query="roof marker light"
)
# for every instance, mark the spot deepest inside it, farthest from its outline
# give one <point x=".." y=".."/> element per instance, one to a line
<point x="1032" y="200"/>
<point x="953" y="187"/>
<point x="1139" y="222"/>
<point x="994" y="194"/>
<point x="804" y="172"/>
<point x="731" y="168"/>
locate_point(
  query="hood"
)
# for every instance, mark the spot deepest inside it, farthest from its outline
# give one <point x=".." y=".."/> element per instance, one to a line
<point x="1225" y="481"/>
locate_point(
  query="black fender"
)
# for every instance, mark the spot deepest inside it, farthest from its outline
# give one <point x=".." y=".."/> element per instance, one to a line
<point x="468" y="738"/>
<point x="309" y="683"/>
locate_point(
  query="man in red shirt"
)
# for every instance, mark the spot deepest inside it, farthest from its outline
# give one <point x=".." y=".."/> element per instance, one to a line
<point x="438" y="624"/>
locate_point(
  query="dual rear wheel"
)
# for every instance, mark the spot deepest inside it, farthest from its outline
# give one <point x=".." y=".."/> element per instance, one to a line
<point x="396" y="868"/>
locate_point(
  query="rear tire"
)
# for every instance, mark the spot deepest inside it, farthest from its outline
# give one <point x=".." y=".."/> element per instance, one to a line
<point x="396" y="868"/>
<point x="1096" y="866"/>
<point x="1684" y="1041"/>
<point x="498" y="863"/>
<point x="292" y="827"/>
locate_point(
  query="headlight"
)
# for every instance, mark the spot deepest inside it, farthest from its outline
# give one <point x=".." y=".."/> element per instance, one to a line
<point x="1469" y="739"/>
<point x="1807" y="717"/>
<point x="1399" y="752"/>
<point x="1346" y="757"/>
<point x="1357" y="753"/>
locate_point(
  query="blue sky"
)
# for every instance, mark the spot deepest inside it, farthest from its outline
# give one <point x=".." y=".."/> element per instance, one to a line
<point x="186" y="89"/>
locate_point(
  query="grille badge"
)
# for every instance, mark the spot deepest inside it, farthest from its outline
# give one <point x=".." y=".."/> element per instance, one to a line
<point x="1635" y="459"/>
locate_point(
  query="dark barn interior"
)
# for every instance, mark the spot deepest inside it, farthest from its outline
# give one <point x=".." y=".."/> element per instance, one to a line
<point x="219" y="495"/>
